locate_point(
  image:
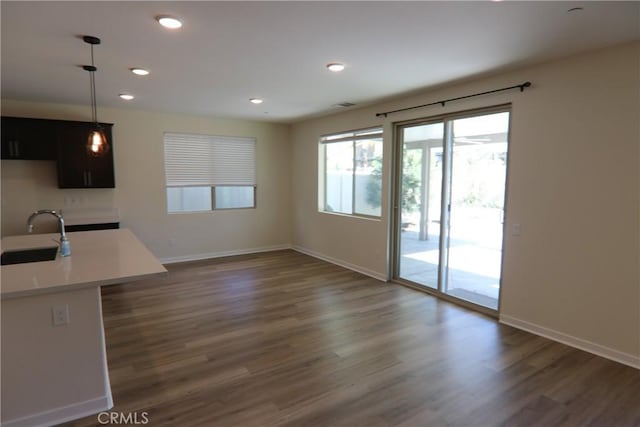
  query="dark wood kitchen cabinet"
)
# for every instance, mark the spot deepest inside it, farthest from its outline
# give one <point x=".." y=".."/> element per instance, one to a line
<point x="28" y="139"/>
<point x="76" y="167"/>
<point x="63" y="141"/>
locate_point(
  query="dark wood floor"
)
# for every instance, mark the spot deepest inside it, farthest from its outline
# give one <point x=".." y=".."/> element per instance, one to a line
<point x="282" y="339"/>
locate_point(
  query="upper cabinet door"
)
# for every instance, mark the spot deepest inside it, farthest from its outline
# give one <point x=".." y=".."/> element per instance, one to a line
<point x="76" y="167"/>
<point x="28" y="139"/>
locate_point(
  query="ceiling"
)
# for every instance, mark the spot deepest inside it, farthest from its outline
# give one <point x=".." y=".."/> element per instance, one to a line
<point x="228" y="52"/>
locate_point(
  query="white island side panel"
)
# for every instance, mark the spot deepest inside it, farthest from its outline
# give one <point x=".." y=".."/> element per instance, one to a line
<point x="52" y="374"/>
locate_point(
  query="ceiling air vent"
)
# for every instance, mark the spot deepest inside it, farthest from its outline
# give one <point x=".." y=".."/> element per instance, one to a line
<point x="345" y="104"/>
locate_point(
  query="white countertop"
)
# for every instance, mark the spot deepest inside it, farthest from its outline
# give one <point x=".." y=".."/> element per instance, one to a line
<point x="97" y="258"/>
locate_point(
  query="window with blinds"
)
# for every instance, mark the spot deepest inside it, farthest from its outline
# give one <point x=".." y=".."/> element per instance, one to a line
<point x="350" y="173"/>
<point x="205" y="172"/>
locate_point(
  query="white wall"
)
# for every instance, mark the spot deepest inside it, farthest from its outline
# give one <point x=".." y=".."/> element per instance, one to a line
<point x="140" y="191"/>
<point x="573" y="186"/>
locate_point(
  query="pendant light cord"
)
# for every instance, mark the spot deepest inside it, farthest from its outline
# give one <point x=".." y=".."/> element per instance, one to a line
<point x="92" y="80"/>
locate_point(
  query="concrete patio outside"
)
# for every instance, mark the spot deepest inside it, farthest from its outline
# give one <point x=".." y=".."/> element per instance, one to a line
<point x="474" y="259"/>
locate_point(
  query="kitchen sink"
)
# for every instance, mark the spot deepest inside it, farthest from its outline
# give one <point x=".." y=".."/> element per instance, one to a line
<point x="29" y="255"/>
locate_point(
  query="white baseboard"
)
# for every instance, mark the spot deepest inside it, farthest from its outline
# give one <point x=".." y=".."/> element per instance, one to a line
<point x="210" y="255"/>
<point x="198" y="257"/>
<point x="63" y="414"/>
<point x="341" y="263"/>
<point x="591" y="347"/>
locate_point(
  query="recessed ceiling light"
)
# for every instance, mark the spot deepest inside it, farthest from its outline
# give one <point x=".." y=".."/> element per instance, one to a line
<point x="126" y="96"/>
<point x="336" y="67"/>
<point x="139" y="71"/>
<point x="256" y="100"/>
<point x="169" y="22"/>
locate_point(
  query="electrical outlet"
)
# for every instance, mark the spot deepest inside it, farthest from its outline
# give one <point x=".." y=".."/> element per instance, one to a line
<point x="516" y="230"/>
<point x="60" y="314"/>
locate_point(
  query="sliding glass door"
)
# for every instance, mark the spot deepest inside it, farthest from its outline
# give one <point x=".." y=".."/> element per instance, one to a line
<point x="450" y="182"/>
<point x="421" y="202"/>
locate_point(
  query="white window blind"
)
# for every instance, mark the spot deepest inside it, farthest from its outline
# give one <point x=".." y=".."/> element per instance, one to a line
<point x="205" y="160"/>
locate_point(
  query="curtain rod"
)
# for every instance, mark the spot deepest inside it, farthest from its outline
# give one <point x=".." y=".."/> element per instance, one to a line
<point x="520" y="86"/>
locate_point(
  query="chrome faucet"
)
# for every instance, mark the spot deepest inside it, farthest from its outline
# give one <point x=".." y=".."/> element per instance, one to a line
<point x="65" y="246"/>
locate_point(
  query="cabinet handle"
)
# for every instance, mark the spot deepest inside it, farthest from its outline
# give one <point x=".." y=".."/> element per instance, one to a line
<point x="86" y="175"/>
<point x="14" y="149"/>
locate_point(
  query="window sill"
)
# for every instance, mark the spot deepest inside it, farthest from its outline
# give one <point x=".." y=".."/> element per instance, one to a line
<point x="355" y="216"/>
<point x="211" y="211"/>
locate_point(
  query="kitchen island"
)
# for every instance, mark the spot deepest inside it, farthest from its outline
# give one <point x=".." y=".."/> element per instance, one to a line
<point x="54" y="364"/>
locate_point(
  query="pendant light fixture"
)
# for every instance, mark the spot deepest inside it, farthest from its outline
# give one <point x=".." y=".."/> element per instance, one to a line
<point x="97" y="143"/>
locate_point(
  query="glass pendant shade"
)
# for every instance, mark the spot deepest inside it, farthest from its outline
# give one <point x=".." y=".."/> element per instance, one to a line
<point x="97" y="143"/>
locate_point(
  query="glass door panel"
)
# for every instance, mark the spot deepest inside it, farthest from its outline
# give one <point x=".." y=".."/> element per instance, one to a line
<point x="451" y="191"/>
<point x="420" y="203"/>
<point x="477" y="193"/>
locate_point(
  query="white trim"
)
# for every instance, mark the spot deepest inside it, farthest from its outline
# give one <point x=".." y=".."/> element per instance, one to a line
<point x="198" y="257"/>
<point x="358" y="269"/>
<point x="209" y="255"/>
<point x="591" y="347"/>
<point x="63" y="414"/>
<point x="105" y="365"/>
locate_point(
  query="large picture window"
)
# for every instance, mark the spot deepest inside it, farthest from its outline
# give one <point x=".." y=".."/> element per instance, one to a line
<point x="205" y="172"/>
<point x="350" y="168"/>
